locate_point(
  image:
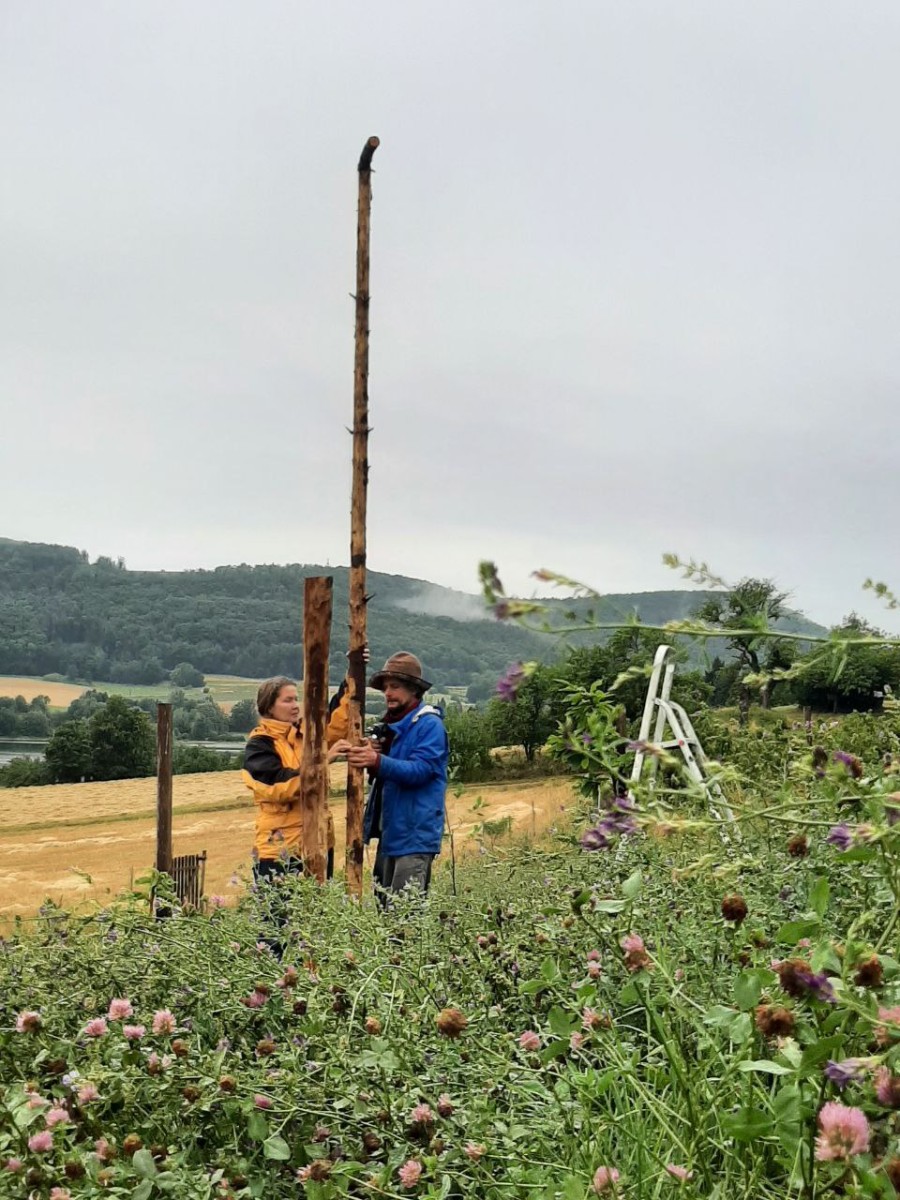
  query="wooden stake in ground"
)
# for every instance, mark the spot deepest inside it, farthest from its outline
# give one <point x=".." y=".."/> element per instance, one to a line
<point x="358" y="636"/>
<point x="317" y="603"/>
<point x="164" y="788"/>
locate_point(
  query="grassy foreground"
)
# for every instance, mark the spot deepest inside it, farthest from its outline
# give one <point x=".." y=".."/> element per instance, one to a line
<point x="563" y="1024"/>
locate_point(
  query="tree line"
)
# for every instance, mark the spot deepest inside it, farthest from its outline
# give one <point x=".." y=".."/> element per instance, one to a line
<point x="102" y="737"/>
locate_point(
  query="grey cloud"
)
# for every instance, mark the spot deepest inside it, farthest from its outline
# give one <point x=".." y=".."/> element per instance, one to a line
<point x="634" y="285"/>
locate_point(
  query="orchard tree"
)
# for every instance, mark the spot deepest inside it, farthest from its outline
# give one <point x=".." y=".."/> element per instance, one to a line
<point x="68" y="753"/>
<point x="123" y="745"/>
<point x="750" y="607"/>
<point x="527" y="719"/>
<point x="186" y="675"/>
<point x="851" y="679"/>
<point x="243" y="716"/>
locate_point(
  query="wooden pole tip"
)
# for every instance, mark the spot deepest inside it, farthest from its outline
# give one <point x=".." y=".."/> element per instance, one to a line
<point x="365" y="159"/>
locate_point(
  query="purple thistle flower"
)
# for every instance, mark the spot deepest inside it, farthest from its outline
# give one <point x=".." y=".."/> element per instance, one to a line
<point x="510" y="682"/>
<point x="850" y="761"/>
<point x="819" y="985"/>
<point x="840" y="836"/>
<point x="594" y="839"/>
<point x="848" y="1071"/>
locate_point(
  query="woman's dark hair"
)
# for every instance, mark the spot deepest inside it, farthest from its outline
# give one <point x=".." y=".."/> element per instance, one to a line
<point x="269" y="691"/>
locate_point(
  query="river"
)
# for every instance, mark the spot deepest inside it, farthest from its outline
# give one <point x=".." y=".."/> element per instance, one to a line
<point x="11" y="748"/>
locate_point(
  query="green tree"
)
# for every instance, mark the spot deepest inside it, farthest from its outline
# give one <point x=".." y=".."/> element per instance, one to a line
<point x="68" y="753"/>
<point x="24" y="772"/>
<point x="853" y="679"/>
<point x="208" y="721"/>
<point x="243" y="716"/>
<point x="34" y="723"/>
<point x="625" y="659"/>
<point x="186" y="675"/>
<point x="482" y="687"/>
<point x="469" y="735"/>
<point x="528" y="719"/>
<point x="752" y="606"/>
<point x="85" y="705"/>
<point x="122" y="741"/>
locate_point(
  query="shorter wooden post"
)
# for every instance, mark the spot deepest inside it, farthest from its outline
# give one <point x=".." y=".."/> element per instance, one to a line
<point x="164" y="788"/>
<point x="317" y="606"/>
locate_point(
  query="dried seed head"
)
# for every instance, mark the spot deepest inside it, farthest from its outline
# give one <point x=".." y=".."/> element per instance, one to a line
<point x="869" y="972"/>
<point x="774" y="1021"/>
<point x="734" y="908"/>
<point x="451" y="1022"/>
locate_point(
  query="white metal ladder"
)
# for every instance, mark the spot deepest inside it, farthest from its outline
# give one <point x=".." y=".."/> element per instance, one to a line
<point x="682" y="736"/>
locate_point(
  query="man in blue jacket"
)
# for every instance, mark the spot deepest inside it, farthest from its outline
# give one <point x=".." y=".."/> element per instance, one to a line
<point x="408" y="769"/>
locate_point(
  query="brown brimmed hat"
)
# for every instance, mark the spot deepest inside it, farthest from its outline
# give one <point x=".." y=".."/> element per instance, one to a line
<point x="404" y="666"/>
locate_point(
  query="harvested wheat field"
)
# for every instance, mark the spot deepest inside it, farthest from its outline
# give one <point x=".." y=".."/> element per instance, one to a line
<point x="84" y="843"/>
<point x="60" y="695"/>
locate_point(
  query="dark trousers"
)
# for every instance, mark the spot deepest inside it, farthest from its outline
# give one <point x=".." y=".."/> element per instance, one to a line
<point x="392" y="874"/>
<point x="274" y="868"/>
<point x="273" y="900"/>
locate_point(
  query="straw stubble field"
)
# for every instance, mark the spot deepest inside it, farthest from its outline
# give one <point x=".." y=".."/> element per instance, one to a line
<point x="83" y="843"/>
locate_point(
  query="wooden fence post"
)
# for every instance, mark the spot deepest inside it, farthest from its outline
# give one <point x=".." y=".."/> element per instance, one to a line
<point x="164" y="788"/>
<point x="357" y="670"/>
<point x="317" y="604"/>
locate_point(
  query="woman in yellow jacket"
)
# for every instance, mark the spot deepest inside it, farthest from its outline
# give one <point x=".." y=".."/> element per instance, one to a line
<point x="272" y="773"/>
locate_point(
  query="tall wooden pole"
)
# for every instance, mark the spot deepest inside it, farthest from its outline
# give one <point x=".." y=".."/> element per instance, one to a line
<point x="358" y="636"/>
<point x="317" y="603"/>
<point x="164" y="788"/>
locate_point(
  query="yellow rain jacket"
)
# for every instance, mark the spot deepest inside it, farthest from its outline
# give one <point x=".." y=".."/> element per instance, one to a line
<point x="272" y="773"/>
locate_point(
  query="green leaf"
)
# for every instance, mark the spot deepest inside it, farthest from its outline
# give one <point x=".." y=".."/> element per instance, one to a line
<point x="791" y="933"/>
<point x="579" y="901"/>
<point x="142" y="1161"/>
<point x="276" y="1147"/>
<point x="632" y="886"/>
<point x="532" y="987"/>
<point x="786" y="1105"/>
<point x="748" y="988"/>
<point x="765" y="1066"/>
<point x="747" y="1125"/>
<point x="143" y="1190"/>
<point x="257" y="1126"/>
<point x="561" y="1023"/>
<point x="554" y="1050"/>
<point x="573" y="1188"/>
<point x="609" y="906"/>
<point x="550" y="970"/>
<point x="818" y="1052"/>
<point x="818" y="896"/>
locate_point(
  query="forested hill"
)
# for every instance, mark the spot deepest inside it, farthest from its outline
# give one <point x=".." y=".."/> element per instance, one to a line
<point x="61" y="613"/>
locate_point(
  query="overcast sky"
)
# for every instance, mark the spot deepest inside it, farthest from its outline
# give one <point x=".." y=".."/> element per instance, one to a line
<point x="634" y="285"/>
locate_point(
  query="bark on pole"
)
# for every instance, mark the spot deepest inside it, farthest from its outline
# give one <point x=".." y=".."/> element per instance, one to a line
<point x="317" y="602"/>
<point x="164" y="788"/>
<point x="358" y="636"/>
